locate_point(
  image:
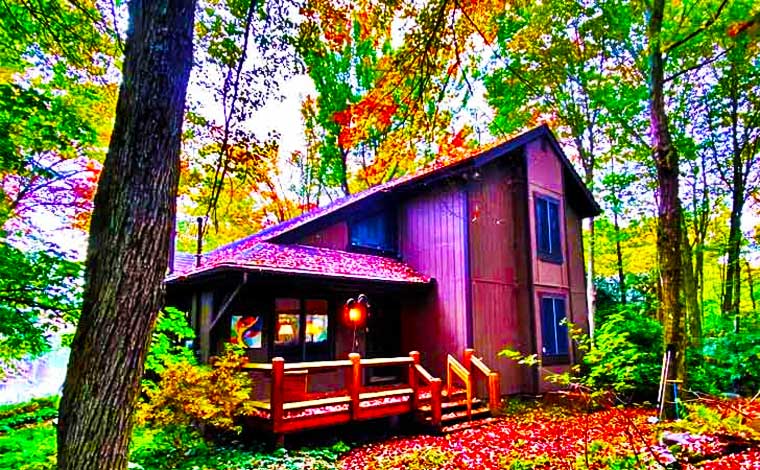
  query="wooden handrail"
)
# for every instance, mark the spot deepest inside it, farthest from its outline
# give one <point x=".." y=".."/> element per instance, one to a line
<point x="493" y="378"/>
<point x="387" y="361"/>
<point x="452" y="365"/>
<point x="480" y="366"/>
<point x="317" y="365"/>
<point x="257" y="366"/>
<point x="426" y="376"/>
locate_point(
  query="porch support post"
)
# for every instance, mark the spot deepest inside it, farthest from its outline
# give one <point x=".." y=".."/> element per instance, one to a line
<point x="413" y="384"/>
<point x="494" y="392"/>
<point x="276" y="400"/>
<point x="206" y="310"/>
<point x="435" y="401"/>
<point x="356" y="383"/>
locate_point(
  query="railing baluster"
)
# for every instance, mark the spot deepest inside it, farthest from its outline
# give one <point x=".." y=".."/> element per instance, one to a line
<point x="413" y="384"/>
<point x="435" y="402"/>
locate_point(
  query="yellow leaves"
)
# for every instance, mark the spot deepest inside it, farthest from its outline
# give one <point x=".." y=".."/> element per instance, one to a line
<point x="200" y="395"/>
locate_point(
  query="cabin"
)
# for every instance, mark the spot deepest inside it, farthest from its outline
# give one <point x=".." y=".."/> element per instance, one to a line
<point x="357" y="308"/>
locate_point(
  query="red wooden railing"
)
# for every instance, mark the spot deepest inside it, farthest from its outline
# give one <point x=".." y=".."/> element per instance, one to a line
<point x="292" y="407"/>
<point x="474" y="364"/>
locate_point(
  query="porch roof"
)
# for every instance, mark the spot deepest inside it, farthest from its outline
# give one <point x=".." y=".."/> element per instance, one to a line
<point x="307" y="260"/>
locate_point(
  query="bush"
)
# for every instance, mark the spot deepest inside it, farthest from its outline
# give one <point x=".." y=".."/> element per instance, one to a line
<point x="200" y="396"/>
<point x="31" y="448"/>
<point x="35" y="411"/>
<point x="627" y="355"/>
<point x="728" y="361"/>
<point x="168" y="344"/>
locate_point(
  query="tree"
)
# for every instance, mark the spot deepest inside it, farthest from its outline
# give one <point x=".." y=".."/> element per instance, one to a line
<point x="134" y="212"/>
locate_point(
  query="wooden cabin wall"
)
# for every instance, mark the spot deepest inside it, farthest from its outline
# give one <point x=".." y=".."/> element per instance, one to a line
<point x="578" y="302"/>
<point x="432" y="241"/>
<point x="545" y="177"/>
<point x="498" y="264"/>
<point x="334" y="237"/>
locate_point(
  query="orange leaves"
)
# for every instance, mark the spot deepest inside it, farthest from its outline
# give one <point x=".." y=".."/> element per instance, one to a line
<point x="371" y="113"/>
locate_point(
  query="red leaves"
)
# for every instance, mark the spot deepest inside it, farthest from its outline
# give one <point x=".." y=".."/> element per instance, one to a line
<point x="357" y="120"/>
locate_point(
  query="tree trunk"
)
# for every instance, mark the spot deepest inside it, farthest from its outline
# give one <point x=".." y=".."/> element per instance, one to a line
<point x="128" y="249"/>
<point x="669" y="207"/>
<point x="619" y="251"/>
<point x="732" y="289"/>
<point x="693" y="312"/>
<point x="751" y="284"/>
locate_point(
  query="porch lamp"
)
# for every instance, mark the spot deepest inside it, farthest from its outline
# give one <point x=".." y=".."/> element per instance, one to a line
<point x="355" y="315"/>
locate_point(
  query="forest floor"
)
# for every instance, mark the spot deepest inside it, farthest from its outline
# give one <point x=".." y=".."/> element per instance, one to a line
<point x="537" y="436"/>
<point x="716" y="435"/>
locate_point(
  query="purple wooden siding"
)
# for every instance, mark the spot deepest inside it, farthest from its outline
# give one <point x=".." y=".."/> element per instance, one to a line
<point x="334" y="237"/>
<point x="432" y="241"/>
<point x="578" y="304"/>
<point x="498" y="260"/>
<point x="545" y="178"/>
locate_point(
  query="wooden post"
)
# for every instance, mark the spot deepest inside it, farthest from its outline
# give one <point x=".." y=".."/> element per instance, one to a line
<point x="276" y="401"/>
<point x="356" y="383"/>
<point x="494" y="391"/>
<point x="467" y="359"/>
<point x="415" y="355"/>
<point x="467" y="363"/>
<point x="435" y="401"/>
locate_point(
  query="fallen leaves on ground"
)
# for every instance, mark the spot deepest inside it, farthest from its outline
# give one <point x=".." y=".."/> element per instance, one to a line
<point x="544" y="438"/>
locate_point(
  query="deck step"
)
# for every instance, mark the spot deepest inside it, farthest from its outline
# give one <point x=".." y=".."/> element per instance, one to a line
<point x="449" y="405"/>
<point x="475" y="423"/>
<point x="454" y="416"/>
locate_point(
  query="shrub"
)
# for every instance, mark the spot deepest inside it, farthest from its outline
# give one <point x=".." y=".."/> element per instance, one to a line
<point x="31" y="412"/>
<point x="627" y="355"/>
<point x="200" y="396"/>
<point x="168" y="344"/>
<point x="31" y="448"/>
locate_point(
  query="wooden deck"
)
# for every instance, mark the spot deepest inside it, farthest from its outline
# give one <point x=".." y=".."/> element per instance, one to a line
<point x="291" y="406"/>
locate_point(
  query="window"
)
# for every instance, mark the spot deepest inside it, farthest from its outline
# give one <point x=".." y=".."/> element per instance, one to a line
<point x="375" y="233"/>
<point x="548" y="229"/>
<point x="301" y="329"/>
<point x="554" y="329"/>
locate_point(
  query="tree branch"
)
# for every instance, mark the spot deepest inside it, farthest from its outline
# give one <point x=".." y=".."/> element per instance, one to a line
<point x="671" y="47"/>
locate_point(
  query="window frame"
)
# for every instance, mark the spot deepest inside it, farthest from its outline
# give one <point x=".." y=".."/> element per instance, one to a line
<point x="558" y="356"/>
<point x="392" y="232"/>
<point x="554" y="253"/>
<point x="303" y="350"/>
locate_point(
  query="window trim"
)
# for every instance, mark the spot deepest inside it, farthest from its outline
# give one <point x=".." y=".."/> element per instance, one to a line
<point x="551" y="256"/>
<point x="392" y="224"/>
<point x="561" y="358"/>
<point x="303" y="346"/>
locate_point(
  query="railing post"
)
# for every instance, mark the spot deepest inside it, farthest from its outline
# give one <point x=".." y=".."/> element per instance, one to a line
<point x="415" y="355"/>
<point x="448" y="377"/>
<point x="435" y="402"/>
<point x="494" y="391"/>
<point x="276" y="398"/>
<point x="356" y="383"/>
<point x="467" y="359"/>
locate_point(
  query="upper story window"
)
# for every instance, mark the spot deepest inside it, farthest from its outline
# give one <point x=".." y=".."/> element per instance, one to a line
<point x="548" y="229"/>
<point x="555" y="342"/>
<point x="376" y="233"/>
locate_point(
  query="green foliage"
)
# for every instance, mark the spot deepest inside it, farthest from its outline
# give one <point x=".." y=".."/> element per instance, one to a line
<point x="626" y="356"/>
<point x="728" y="361"/>
<point x="430" y="458"/>
<point x="40" y="294"/>
<point x="35" y="411"/>
<point x="168" y="346"/>
<point x="200" y="396"/>
<point x="31" y="448"/>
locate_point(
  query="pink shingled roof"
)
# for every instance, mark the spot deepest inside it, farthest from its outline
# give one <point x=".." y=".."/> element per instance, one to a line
<point x="300" y="259"/>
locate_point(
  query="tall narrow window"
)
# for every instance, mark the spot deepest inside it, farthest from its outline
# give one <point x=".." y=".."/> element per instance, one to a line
<point x="553" y="329"/>
<point x="548" y="229"/>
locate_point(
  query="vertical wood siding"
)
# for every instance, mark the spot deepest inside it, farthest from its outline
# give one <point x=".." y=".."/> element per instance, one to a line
<point x="545" y="177"/>
<point x="498" y="260"/>
<point x="432" y="241"/>
<point x="334" y="237"/>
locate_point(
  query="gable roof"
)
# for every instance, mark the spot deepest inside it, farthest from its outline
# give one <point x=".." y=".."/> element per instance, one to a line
<point x="260" y="250"/>
<point x="581" y="197"/>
